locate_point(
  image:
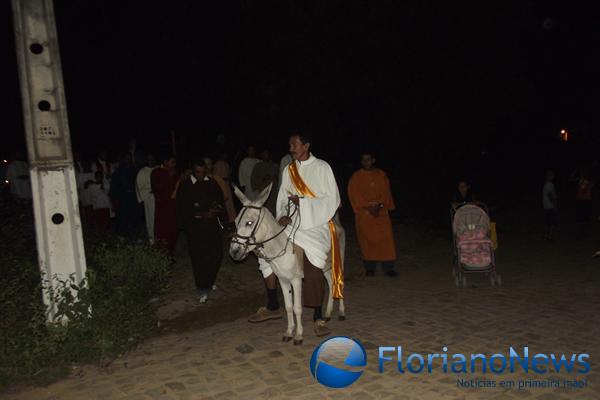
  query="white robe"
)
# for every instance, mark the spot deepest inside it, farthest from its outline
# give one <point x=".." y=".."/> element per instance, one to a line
<point x="98" y="197"/>
<point x="283" y="164"/>
<point x="82" y="178"/>
<point x="313" y="214"/>
<point x="143" y="190"/>
<point x="107" y="178"/>
<point x="245" y="176"/>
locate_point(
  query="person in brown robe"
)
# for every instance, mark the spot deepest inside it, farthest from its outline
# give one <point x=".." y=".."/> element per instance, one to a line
<point x="163" y="182"/>
<point x="199" y="200"/>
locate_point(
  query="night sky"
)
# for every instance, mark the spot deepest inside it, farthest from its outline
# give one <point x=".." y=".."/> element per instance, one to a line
<point x="424" y="84"/>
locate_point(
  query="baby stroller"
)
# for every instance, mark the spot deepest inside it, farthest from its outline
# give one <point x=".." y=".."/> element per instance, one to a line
<point x="471" y="236"/>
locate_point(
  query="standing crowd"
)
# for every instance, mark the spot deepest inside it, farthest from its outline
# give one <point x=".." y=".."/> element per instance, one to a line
<point x="152" y="194"/>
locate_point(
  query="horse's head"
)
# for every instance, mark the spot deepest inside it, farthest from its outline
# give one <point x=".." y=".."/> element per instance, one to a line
<point x="250" y="226"/>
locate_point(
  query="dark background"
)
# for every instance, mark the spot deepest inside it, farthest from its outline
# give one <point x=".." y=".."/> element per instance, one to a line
<point x="437" y="89"/>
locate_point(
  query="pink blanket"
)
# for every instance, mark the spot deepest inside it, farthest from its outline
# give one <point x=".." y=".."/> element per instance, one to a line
<point x="475" y="248"/>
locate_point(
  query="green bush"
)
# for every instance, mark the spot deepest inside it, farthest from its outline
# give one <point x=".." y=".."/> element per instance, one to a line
<point x="115" y="307"/>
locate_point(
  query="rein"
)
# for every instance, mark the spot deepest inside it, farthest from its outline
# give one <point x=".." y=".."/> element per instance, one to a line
<point x="250" y="240"/>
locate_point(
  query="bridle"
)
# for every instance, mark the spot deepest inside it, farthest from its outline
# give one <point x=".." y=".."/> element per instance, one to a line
<point x="250" y="240"/>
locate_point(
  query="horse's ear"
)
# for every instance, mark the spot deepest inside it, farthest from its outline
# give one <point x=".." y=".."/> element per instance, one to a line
<point x="264" y="195"/>
<point x="241" y="195"/>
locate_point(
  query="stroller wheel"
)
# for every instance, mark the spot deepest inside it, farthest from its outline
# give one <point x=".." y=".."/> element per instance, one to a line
<point x="498" y="280"/>
<point x="464" y="281"/>
<point x="457" y="281"/>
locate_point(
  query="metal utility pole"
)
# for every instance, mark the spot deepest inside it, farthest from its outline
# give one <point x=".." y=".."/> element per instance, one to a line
<point x="55" y="205"/>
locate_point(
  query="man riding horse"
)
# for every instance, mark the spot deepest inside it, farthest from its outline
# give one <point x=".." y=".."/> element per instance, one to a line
<point x="308" y="183"/>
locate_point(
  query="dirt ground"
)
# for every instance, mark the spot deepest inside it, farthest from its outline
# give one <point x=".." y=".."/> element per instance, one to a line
<point x="519" y="223"/>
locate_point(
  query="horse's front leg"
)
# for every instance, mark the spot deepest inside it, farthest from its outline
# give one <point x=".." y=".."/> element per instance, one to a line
<point x="286" y="288"/>
<point x="297" y="287"/>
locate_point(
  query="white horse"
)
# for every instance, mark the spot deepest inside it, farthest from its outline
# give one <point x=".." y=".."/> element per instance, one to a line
<point x="257" y="231"/>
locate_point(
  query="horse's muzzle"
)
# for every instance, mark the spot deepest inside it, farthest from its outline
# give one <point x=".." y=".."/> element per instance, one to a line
<point x="238" y="253"/>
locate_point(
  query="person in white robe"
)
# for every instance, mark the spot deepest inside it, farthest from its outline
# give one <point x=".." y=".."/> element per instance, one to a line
<point x="107" y="168"/>
<point x="143" y="190"/>
<point x="310" y="224"/>
<point x="103" y="165"/>
<point x="245" y="173"/>
<point x="99" y="201"/>
<point x="314" y="213"/>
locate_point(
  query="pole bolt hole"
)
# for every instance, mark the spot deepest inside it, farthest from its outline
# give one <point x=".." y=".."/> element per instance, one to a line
<point x="58" y="218"/>
<point x="44" y="105"/>
<point x="36" y="48"/>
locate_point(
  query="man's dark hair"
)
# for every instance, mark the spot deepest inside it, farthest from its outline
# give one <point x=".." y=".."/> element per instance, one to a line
<point x="199" y="162"/>
<point x="304" y="135"/>
<point x="369" y="152"/>
<point x="166" y="156"/>
<point x="464" y="179"/>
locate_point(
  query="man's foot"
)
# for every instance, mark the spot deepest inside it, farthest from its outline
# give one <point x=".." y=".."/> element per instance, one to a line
<point x="391" y="273"/>
<point x="203" y="298"/>
<point x="264" y="314"/>
<point x="321" y="328"/>
<point x="370" y="273"/>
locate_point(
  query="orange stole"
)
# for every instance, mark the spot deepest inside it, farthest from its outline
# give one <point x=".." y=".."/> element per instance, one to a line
<point x="336" y="255"/>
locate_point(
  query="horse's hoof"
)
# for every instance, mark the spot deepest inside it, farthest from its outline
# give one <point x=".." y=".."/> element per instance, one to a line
<point x="297" y="342"/>
<point x="342" y="318"/>
<point x="286" y="339"/>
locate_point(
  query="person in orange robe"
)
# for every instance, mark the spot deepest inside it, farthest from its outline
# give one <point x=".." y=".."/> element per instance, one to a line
<point x="371" y="199"/>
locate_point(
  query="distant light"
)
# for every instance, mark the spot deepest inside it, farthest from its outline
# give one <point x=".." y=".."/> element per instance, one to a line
<point x="4" y="161"/>
<point x="564" y="135"/>
<point x="562" y="131"/>
<point x="6" y="181"/>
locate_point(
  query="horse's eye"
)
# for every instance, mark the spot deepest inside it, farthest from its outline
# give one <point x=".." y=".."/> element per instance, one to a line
<point x="249" y="223"/>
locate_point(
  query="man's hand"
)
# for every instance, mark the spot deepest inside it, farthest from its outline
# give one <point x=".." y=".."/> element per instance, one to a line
<point x="294" y="199"/>
<point x="285" y="221"/>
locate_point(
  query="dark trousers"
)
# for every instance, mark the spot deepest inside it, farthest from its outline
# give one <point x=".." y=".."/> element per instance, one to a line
<point x="127" y="218"/>
<point x="206" y="252"/>
<point x="371" y="265"/>
<point x="313" y="286"/>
